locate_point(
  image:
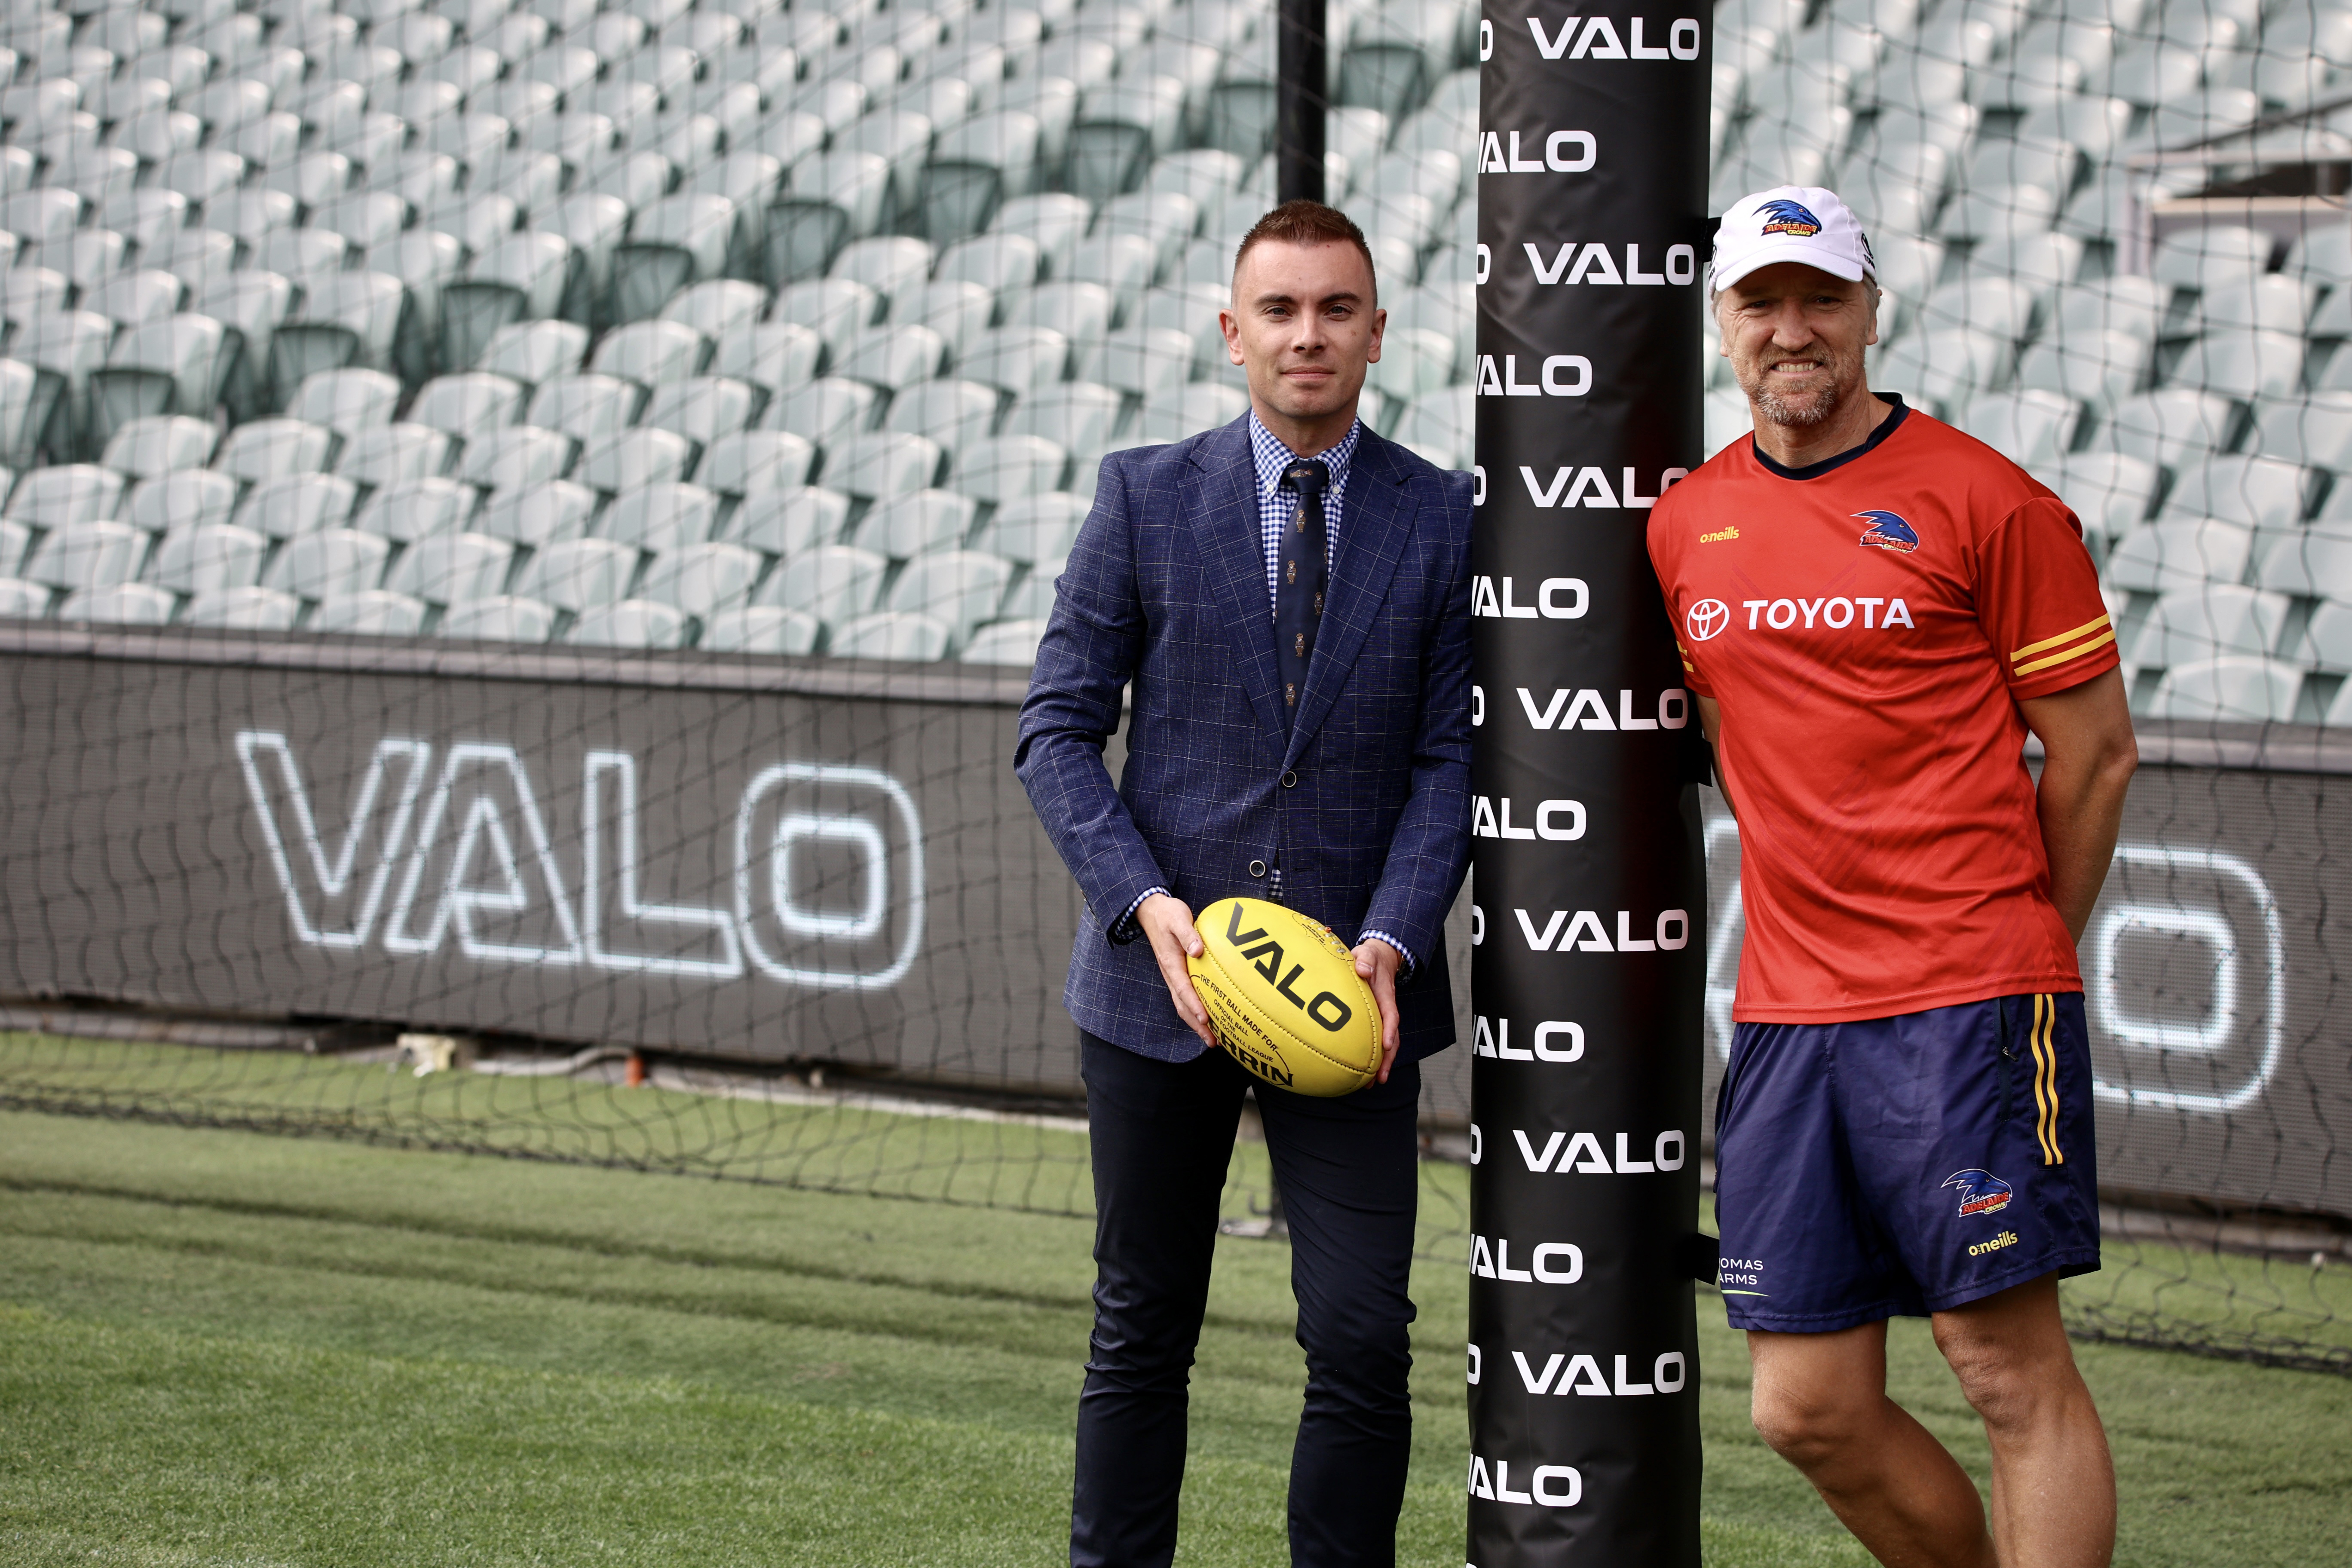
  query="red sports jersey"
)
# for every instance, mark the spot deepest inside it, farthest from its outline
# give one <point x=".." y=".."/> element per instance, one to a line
<point x="1867" y="625"/>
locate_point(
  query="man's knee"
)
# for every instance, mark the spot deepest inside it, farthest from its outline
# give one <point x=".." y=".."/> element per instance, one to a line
<point x="2010" y="1355"/>
<point x="1361" y="1356"/>
<point x="1813" y="1425"/>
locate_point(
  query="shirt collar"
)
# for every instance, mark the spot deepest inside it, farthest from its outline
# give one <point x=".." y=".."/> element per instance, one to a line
<point x="1273" y="457"/>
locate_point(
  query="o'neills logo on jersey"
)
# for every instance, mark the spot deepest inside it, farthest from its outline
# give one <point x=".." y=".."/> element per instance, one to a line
<point x="1706" y="619"/>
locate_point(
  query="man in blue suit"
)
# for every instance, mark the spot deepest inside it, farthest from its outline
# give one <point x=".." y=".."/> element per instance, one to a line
<point x="1287" y="602"/>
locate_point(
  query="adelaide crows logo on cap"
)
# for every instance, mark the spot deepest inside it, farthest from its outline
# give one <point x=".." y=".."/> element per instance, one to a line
<point x="1888" y="531"/>
<point x="1981" y="1192"/>
<point x="1781" y="215"/>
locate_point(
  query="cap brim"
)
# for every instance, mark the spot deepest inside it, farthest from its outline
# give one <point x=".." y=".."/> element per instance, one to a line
<point x="1774" y="251"/>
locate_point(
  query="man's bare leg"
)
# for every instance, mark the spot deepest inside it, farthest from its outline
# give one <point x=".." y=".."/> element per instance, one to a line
<point x="1820" y="1401"/>
<point x="2054" y="1484"/>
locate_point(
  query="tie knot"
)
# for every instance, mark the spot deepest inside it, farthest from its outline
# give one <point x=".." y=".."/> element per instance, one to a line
<point x="1307" y="477"/>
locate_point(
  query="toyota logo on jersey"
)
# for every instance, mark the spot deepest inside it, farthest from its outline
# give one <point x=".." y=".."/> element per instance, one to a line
<point x="1706" y="619"/>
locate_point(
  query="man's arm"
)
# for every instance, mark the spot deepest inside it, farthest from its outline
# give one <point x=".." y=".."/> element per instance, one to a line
<point x="1430" y="846"/>
<point x="2088" y="758"/>
<point x="1093" y="645"/>
<point x="1710" y="719"/>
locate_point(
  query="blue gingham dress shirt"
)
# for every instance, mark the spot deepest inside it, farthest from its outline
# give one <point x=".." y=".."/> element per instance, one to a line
<point x="1277" y="507"/>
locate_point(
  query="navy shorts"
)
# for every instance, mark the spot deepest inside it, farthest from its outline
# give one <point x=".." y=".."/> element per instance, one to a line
<point x="1895" y="1167"/>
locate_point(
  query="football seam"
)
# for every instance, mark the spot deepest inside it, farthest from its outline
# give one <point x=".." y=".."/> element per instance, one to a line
<point x="1364" y="994"/>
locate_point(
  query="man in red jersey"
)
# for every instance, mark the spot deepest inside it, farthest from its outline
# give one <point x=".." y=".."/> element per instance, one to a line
<point x="1873" y="611"/>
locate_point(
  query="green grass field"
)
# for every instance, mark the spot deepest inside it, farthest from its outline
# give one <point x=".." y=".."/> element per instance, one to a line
<point x="224" y="1347"/>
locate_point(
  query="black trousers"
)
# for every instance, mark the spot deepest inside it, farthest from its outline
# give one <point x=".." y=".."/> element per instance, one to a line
<point x="1162" y="1137"/>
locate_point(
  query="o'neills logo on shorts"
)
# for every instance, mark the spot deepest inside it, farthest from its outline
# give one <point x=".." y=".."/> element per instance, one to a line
<point x="2006" y="1238"/>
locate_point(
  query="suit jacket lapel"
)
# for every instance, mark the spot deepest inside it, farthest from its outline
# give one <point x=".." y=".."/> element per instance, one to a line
<point x="1223" y="503"/>
<point x="1374" y="521"/>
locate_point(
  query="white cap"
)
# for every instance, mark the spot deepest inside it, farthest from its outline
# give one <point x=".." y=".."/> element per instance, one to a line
<point x="1790" y="223"/>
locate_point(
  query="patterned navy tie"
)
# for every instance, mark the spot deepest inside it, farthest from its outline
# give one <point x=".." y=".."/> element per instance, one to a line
<point x="1299" y="578"/>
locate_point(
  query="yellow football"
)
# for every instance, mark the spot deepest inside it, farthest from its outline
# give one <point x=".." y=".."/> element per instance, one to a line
<point x="1285" y="998"/>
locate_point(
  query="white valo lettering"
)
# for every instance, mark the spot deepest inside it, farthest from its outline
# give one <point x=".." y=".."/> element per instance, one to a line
<point x="1519" y="165"/>
<point x="1486" y="52"/>
<point x="1514" y="388"/>
<point x="1666" y="1162"/>
<point x="1674" y="708"/>
<point x="1477" y="1139"/>
<point x="1477" y="484"/>
<point x="1484" y="263"/>
<point x="1558" y="1486"/>
<point x="1544" y="1032"/>
<point x="1673" y="928"/>
<point x="1547" y="826"/>
<point x="1545" y="1274"/>
<point x="1672" y="1361"/>
<point x="1576" y="365"/>
<point x="1477" y="925"/>
<point x="1681" y="39"/>
<point x="1561" y="162"/>
<point x="1553" y="587"/>
<point x="1477" y="706"/>
<point x="1682" y="263"/>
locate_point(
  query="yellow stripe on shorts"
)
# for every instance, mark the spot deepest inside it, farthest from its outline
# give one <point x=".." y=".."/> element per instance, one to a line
<point x="2045" y="1078"/>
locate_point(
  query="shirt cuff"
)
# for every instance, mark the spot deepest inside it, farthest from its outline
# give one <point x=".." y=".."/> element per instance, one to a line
<point x="1124" y="929"/>
<point x="1404" y="952"/>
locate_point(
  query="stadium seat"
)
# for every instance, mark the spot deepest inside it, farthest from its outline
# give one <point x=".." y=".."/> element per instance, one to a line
<point x="680" y="240"/>
<point x="445" y="568"/>
<point x="2242" y="365"/>
<point x="210" y="555"/>
<point x="652" y="353"/>
<point x="2028" y="427"/>
<point x="23" y="601"/>
<point x="518" y="457"/>
<point x="250" y="609"/>
<point x="789" y="522"/>
<point x="2265" y="491"/>
<point x="70" y="492"/>
<point x="775" y="356"/>
<point x="2187" y="624"/>
<point x="576" y="573"/>
<point x="2170" y="426"/>
<point x="1942" y="369"/>
<point x="331" y="561"/>
<point x="2181" y="552"/>
<point x="537" y="515"/>
<point x="143" y="294"/>
<point x="717" y="309"/>
<point x="2210" y="257"/>
<point x="2099" y="369"/>
<point x="703" y="408"/>
<point x="2231" y="688"/>
<point x="406" y="510"/>
<point x="345" y="401"/>
<point x="118" y="604"/>
<point x="889" y="266"/>
<point x="892" y="635"/>
<point x="825" y="411"/>
<point x="702" y="580"/>
<point x="1005" y="642"/>
<point x="344" y="318"/>
<point x="1004" y="469"/>
<point x="468" y="405"/>
<point x="752" y="461"/>
<point x="891" y="357"/>
<point x="2257" y="302"/>
<point x="506" y="618"/>
<point x="584" y="406"/>
<point x="2109" y="491"/>
<point x="519" y="278"/>
<point x="1033" y="528"/>
<point x="1018" y="359"/>
<point x="634" y="459"/>
<point x="161" y="443"/>
<point x="1078" y="415"/>
<point x="913" y="524"/>
<point x="187" y="498"/>
<point x="881" y="464"/>
<point x="2313" y="563"/>
<point x="1153" y="364"/>
<point x="371" y="612"/>
<point x="760" y="629"/>
<point x="630" y="624"/>
<point x="961" y="588"/>
<point x="835" y="583"/>
<point x="952" y="413"/>
<point x="2326" y="644"/>
<point x="96" y="553"/>
<point x="2315" y="431"/>
<point x="661" y="516"/>
<point x="391" y="453"/>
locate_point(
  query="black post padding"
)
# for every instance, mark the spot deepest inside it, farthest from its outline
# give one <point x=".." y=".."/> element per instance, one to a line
<point x="1589" y="879"/>
<point x="1301" y="77"/>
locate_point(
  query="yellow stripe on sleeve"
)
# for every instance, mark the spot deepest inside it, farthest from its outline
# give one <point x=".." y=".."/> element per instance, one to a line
<point x="2102" y="640"/>
<point x="2062" y="636"/>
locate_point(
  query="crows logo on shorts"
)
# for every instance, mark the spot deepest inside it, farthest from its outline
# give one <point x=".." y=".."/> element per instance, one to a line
<point x="1981" y="1192"/>
<point x="1888" y="531"/>
<point x="1784" y="216"/>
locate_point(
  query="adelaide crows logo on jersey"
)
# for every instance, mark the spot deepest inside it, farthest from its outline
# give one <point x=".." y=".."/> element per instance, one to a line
<point x="1784" y="216"/>
<point x="1888" y="531"/>
<point x="1981" y="1192"/>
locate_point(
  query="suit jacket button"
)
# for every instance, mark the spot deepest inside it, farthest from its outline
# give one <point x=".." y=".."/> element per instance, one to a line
<point x="1289" y="779"/>
<point x="1257" y="868"/>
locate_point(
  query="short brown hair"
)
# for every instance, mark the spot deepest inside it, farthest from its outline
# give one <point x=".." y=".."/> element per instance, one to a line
<point x="1303" y="222"/>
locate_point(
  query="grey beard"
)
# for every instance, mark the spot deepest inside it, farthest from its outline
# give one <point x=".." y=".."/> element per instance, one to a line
<point x="1823" y="408"/>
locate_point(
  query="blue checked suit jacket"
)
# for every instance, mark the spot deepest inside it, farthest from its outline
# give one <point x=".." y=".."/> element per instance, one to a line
<point x="1165" y="591"/>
